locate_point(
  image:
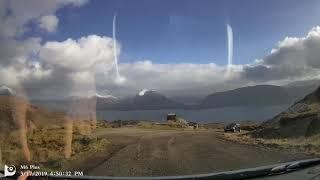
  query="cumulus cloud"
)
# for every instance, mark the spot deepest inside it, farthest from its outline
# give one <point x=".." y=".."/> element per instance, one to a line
<point x="293" y="58"/>
<point x="72" y="65"/>
<point x="49" y="23"/>
<point x="19" y="61"/>
<point x="78" y="55"/>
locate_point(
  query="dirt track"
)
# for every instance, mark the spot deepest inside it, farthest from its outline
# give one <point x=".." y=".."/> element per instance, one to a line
<point x="144" y="152"/>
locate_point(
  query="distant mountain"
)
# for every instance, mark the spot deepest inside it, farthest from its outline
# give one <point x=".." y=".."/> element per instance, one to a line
<point x="101" y="102"/>
<point x="147" y="100"/>
<point x="260" y="95"/>
<point x="188" y="100"/>
<point x="299" y="120"/>
<point x="106" y="102"/>
<point x="251" y="96"/>
<point x="144" y="100"/>
<point x="153" y="100"/>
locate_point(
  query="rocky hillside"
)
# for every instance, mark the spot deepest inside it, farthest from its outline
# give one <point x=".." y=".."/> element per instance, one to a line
<point x="302" y="119"/>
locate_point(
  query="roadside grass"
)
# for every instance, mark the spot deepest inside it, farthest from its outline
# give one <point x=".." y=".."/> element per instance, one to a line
<point x="162" y="126"/>
<point x="309" y="145"/>
<point x="47" y="148"/>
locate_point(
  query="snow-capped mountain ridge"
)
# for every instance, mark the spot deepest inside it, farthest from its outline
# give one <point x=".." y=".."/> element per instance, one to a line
<point x="144" y="91"/>
<point x="103" y="96"/>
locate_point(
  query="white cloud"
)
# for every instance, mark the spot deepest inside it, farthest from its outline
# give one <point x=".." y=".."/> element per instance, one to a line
<point x="293" y="58"/>
<point x="72" y="64"/>
<point x="19" y="64"/>
<point x="13" y="76"/>
<point x="78" y="55"/>
<point x="49" y="23"/>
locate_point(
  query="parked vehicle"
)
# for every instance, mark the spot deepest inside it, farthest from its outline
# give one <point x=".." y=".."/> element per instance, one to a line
<point x="233" y="127"/>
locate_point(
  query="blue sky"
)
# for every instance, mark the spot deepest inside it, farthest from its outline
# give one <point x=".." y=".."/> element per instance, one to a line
<point x="175" y="31"/>
<point x="177" y="47"/>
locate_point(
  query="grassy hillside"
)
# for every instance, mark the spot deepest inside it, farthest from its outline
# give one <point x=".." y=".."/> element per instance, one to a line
<point x="300" y="120"/>
<point x="47" y="148"/>
<point x="46" y="136"/>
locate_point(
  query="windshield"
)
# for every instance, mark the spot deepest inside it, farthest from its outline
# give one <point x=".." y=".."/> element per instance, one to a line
<point x="157" y="88"/>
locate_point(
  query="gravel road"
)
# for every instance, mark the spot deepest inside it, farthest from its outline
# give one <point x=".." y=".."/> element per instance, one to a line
<point x="144" y="152"/>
